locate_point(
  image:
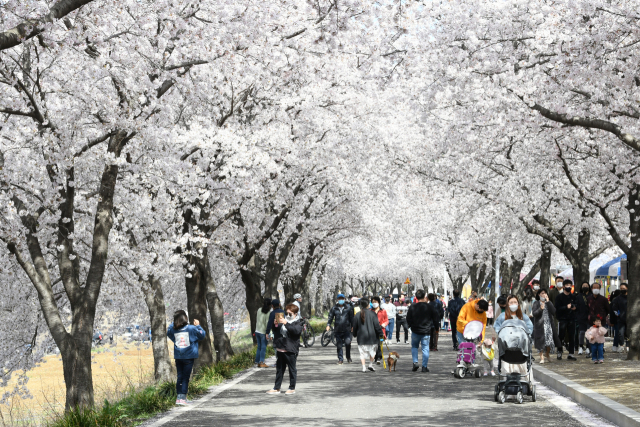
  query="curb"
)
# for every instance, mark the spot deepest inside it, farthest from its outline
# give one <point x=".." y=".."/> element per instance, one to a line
<point x="608" y="409"/>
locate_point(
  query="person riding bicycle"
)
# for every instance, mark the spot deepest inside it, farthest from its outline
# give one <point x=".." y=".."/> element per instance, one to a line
<point x="342" y="316"/>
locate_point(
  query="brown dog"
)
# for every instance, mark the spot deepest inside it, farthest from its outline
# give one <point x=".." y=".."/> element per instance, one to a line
<point x="392" y="359"/>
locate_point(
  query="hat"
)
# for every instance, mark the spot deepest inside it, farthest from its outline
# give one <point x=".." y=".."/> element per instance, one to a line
<point x="488" y="342"/>
<point x="340" y="295"/>
<point x="275" y="302"/>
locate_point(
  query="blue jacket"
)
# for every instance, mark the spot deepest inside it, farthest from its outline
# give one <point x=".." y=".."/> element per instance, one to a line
<point x="272" y="319"/>
<point x="185" y="341"/>
<point x="454" y="307"/>
<point x="498" y="323"/>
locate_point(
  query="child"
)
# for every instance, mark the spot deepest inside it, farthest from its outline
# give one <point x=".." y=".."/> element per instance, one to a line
<point x="487" y="356"/>
<point x="185" y="350"/>
<point x="595" y="335"/>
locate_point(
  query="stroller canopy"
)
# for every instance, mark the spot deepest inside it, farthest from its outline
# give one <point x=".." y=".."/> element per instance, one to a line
<point x="513" y="339"/>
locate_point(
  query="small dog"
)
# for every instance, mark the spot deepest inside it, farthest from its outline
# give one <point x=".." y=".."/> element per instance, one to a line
<point x="392" y="359"/>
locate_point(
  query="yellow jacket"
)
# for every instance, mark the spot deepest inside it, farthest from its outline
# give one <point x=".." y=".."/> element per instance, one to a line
<point x="467" y="314"/>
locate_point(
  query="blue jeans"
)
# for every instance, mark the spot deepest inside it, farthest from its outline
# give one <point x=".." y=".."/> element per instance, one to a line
<point x="460" y="337"/>
<point x="389" y="328"/>
<point x="183" y="367"/>
<point x="597" y="351"/>
<point x="420" y="340"/>
<point x="261" y="351"/>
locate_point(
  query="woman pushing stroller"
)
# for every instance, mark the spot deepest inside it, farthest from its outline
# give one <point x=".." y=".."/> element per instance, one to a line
<point x="513" y="312"/>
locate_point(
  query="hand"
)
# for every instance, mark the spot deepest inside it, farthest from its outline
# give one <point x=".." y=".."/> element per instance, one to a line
<point x="196" y="322"/>
<point x="573" y="308"/>
<point x="282" y="320"/>
<point x="542" y="306"/>
<point x="568" y="305"/>
<point x="328" y="328"/>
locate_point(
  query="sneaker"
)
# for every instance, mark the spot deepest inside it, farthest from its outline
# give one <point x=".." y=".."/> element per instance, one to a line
<point x="415" y="367"/>
<point x="425" y="369"/>
<point x="493" y="374"/>
<point x="371" y="368"/>
<point x="273" y="391"/>
<point x="290" y="392"/>
<point x="340" y="362"/>
<point x="596" y="361"/>
<point x="485" y="374"/>
<point x="571" y="357"/>
<point x="181" y="402"/>
<point x="587" y="354"/>
<point x="601" y="361"/>
<point x="378" y="362"/>
<point x="398" y="342"/>
<point x="559" y="355"/>
<point x="349" y="361"/>
<point x="621" y="350"/>
<point x="580" y="351"/>
<point x="364" y="369"/>
<point x="614" y="348"/>
<point x="262" y="365"/>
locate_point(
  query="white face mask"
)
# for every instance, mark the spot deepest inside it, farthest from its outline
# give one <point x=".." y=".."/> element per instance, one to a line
<point x="559" y="285"/>
<point x="290" y="318"/>
<point x="375" y="305"/>
<point x="596" y="291"/>
<point x="543" y="299"/>
<point x="535" y="288"/>
<point x="513" y="307"/>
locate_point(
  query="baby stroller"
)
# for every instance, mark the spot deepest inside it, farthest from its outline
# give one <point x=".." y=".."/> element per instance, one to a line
<point x="466" y="362"/>
<point x="514" y="348"/>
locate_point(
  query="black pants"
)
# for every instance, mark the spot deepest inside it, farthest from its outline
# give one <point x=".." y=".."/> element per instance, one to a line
<point x="343" y="338"/>
<point x="454" y="331"/>
<point x="284" y="360"/>
<point x="402" y="321"/>
<point x="566" y="330"/>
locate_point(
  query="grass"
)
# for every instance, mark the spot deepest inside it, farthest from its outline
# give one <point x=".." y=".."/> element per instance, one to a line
<point x="139" y="405"/>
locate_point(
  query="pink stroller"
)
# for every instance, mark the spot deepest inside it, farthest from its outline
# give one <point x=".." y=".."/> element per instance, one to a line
<point x="466" y="361"/>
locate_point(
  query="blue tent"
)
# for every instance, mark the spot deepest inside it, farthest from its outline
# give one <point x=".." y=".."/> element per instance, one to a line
<point x="611" y="268"/>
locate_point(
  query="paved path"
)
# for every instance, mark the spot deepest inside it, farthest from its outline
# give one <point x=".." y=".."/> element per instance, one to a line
<point x="333" y="395"/>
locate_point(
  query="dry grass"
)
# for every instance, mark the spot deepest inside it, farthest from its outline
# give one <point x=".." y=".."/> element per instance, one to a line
<point x="116" y="369"/>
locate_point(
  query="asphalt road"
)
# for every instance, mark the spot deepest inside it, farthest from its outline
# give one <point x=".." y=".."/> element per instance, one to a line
<point x="332" y="395"/>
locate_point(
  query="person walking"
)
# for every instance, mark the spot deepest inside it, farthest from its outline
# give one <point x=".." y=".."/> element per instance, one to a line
<point x="619" y="307"/>
<point x="185" y="339"/>
<point x="545" y="336"/>
<point x="390" y="308"/>
<point x="401" y="320"/>
<point x="454" y="307"/>
<point x="435" y="332"/>
<point x="297" y="301"/>
<point x="582" y="319"/>
<point x="422" y="319"/>
<point x="341" y="315"/>
<point x="384" y="322"/>
<point x="262" y="318"/>
<point x="513" y="313"/>
<point x="490" y="314"/>
<point x="368" y="332"/>
<point x="566" y="315"/>
<point x="286" y="332"/>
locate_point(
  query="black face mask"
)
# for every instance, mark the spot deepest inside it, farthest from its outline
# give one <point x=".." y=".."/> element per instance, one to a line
<point x="585" y="290"/>
<point x="623" y="291"/>
<point x="567" y="289"/>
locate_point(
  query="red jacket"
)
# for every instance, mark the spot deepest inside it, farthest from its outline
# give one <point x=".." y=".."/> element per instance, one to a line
<point x="383" y="319"/>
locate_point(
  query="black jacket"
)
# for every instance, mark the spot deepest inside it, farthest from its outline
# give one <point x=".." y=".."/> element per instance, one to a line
<point x="582" y="311"/>
<point x="562" y="311"/>
<point x="343" y="315"/>
<point x="368" y="332"/>
<point x="291" y="342"/>
<point x="422" y="317"/>
<point x="272" y="319"/>
<point x="437" y="306"/>
<point x="620" y="305"/>
<point x="454" y="307"/>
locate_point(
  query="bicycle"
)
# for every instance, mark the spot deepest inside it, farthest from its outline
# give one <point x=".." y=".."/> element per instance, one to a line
<point x="308" y="337"/>
<point x="328" y="337"/>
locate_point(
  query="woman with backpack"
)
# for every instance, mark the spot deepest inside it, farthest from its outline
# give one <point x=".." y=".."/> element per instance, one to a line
<point x="185" y="350"/>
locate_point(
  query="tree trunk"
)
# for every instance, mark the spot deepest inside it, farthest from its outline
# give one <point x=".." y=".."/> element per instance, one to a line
<point x="76" y="363"/>
<point x="221" y="342"/>
<point x="633" y="275"/>
<point x="287" y="287"/>
<point x="581" y="260"/>
<point x="153" y="296"/>
<point x="253" y="291"/>
<point x="545" y="265"/>
<point x="319" y="306"/>
<point x="196" y="286"/>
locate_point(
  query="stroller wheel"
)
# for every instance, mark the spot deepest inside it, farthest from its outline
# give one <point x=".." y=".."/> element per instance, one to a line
<point x="501" y="397"/>
<point x="533" y="393"/>
<point x="477" y="373"/>
<point x="460" y="373"/>
<point x="519" y="398"/>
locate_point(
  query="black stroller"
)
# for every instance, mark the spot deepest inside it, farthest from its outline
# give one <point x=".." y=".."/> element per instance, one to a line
<point x="514" y="348"/>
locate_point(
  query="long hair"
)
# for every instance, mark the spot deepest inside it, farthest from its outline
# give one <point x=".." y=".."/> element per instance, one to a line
<point x="508" y="314"/>
<point x="364" y="304"/>
<point x="180" y="319"/>
<point x="266" y="305"/>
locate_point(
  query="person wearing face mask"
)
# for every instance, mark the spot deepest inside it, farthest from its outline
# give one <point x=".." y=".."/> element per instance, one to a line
<point x="502" y="302"/>
<point x="286" y="340"/>
<point x="512" y="311"/>
<point x="566" y="315"/>
<point x="598" y="304"/>
<point x="341" y="315"/>
<point x="546" y="337"/>
<point x="390" y="308"/>
<point x="582" y="318"/>
<point x="536" y="286"/>
<point x="383" y="319"/>
<point x="553" y="293"/>
<point x="619" y="307"/>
